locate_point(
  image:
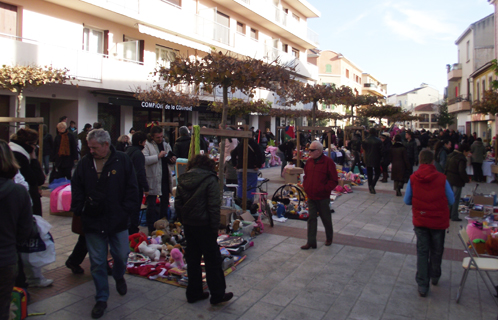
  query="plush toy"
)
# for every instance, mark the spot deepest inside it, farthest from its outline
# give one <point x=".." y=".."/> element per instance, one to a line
<point x="164" y="250"/>
<point x="177" y="259"/>
<point x="156" y="240"/>
<point x="150" y="252"/>
<point x="136" y="239"/>
<point x="236" y="225"/>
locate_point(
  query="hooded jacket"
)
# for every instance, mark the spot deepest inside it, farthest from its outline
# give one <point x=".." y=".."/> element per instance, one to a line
<point x="17" y="220"/>
<point x="320" y="178"/>
<point x="181" y="147"/>
<point x="197" y="200"/>
<point x="119" y="186"/>
<point x="429" y="198"/>
<point x="456" y="169"/>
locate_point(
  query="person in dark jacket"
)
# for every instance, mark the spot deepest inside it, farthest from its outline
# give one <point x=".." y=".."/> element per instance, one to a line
<point x="429" y="194"/>
<point x="320" y="178"/>
<point x="411" y="150"/>
<point x="198" y="204"/>
<point x="123" y="143"/>
<point x="16" y="226"/>
<point x="255" y="160"/>
<point x="456" y="174"/>
<point x="23" y="145"/>
<point x="386" y="155"/>
<point x="82" y="137"/>
<point x="104" y="193"/>
<point x="325" y="139"/>
<point x="442" y="151"/>
<point x="65" y="153"/>
<point x="340" y="137"/>
<point x="478" y="152"/>
<point x="48" y="147"/>
<point x="355" y="147"/>
<point x="285" y="152"/>
<point x="400" y="164"/>
<point x="182" y="144"/>
<point x="372" y="146"/>
<point x="137" y="157"/>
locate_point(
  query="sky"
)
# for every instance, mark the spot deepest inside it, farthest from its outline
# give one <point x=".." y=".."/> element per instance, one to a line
<point x="401" y="43"/>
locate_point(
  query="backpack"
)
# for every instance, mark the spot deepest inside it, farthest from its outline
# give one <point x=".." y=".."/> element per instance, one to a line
<point x="19" y="303"/>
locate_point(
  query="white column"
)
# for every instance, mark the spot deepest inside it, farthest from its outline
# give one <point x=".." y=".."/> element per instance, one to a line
<point x="126" y="119"/>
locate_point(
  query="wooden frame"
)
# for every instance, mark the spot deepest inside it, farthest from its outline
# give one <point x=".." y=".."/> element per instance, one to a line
<point x="171" y="124"/>
<point x="37" y="120"/>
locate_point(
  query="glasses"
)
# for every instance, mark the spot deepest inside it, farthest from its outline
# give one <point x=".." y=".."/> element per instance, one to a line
<point x="313" y="150"/>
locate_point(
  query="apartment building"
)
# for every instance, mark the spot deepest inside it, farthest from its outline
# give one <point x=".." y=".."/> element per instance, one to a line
<point x="482" y="124"/>
<point x="335" y="68"/>
<point x="428" y="113"/>
<point x="112" y="46"/>
<point x="410" y="99"/>
<point x="475" y="49"/>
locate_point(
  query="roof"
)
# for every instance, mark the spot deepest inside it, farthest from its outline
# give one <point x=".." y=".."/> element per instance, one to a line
<point x="470" y="28"/>
<point x="425" y="107"/>
<point x="481" y="69"/>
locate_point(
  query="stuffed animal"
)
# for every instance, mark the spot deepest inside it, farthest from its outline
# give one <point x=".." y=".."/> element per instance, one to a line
<point x="236" y="225"/>
<point x="164" y="250"/>
<point x="161" y="227"/>
<point x="150" y="252"/>
<point x="136" y="239"/>
<point x="177" y="259"/>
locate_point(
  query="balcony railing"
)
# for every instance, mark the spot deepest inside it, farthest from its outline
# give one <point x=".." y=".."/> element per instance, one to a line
<point x="459" y="99"/>
<point x="212" y="30"/>
<point x="461" y="103"/>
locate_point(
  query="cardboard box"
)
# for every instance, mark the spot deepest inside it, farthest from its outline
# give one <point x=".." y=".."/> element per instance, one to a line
<point x="226" y="215"/>
<point x="342" y="182"/>
<point x="291" y="175"/>
<point x="484" y="200"/>
<point x="476" y="214"/>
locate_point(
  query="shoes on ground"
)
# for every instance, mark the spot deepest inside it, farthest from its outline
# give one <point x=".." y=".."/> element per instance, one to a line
<point x="398" y="193"/>
<point x="434" y="281"/>
<point x="204" y="296"/>
<point x="98" y="309"/>
<point x="328" y="243"/>
<point x="383" y="181"/>
<point x="308" y="246"/>
<point x="121" y="286"/>
<point x="423" y="291"/>
<point x="43" y="283"/>
<point x="76" y="269"/>
<point x="225" y="298"/>
<point x="457" y="219"/>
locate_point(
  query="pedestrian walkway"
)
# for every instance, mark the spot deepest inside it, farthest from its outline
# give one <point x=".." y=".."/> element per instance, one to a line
<point x="368" y="273"/>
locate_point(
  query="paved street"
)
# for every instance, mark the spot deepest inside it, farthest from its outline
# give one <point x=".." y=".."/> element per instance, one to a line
<point x="368" y="273"/>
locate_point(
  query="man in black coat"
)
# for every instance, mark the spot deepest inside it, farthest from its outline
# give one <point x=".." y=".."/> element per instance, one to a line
<point x="182" y="144"/>
<point x="372" y="146"/>
<point x="104" y="194"/>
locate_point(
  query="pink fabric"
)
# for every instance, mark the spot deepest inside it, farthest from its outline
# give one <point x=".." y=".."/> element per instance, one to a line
<point x="65" y="195"/>
<point x="274" y="160"/>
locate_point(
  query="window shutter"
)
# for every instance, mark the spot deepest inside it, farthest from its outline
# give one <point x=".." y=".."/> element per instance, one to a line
<point x="141" y="51"/>
<point x="106" y="43"/>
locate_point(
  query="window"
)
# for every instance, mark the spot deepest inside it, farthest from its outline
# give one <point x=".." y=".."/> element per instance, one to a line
<point x="295" y="53"/>
<point x="177" y="3"/>
<point x="328" y="68"/>
<point x="8" y="19"/>
<point x="130" y="49"/>
<point x="254" y="34"/>
<point x="285" y="48"/>
<point x="164" y="56"/>
<point x="223" y="19"/>
<point x="241" y="28"/>
<point x="347" y="73"/>
<point x="286" y="10"/>
<point x="93" y="40"/>
<point x="483" y="85"/>
<point x="296" y="17"/>
<point x="490" y="82"/>
<point x="360" y="81"/>
<point x="478" y="92"/>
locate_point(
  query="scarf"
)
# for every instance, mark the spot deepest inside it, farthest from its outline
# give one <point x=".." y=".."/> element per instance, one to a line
<point x="64" y="147"/>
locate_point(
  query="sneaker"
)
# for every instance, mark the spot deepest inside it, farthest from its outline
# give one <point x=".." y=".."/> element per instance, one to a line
<point x="121" y="286"/>
<point x="225" y="298"/>
<point x="98" y="309"/>
<point x="43" y="283"/>
<point x="76" y="269"/>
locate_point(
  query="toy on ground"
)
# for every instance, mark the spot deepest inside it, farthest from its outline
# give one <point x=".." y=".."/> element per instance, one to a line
<point x="177" y="259"/>
<point x="150" y="252"/>
<point x="136" y="239"/>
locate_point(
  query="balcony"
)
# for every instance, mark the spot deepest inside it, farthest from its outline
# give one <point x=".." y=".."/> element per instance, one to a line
<point x="91" y="69"/>
<point x="266" y="14"/>
<point x="458" y="104"/>
<point x="372" y="88"/>
<point x="454" y="72"/>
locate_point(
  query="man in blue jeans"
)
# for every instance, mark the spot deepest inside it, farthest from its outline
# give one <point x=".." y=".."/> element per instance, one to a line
<point x="104" y="188"/>
<point x="429" y="194"/>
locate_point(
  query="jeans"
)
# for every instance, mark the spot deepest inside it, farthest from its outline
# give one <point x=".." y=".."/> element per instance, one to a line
<point x="430" y="248"/>
<point x="372" y="180"/>
<point x="454" y="208"/>
<point x="322" y="207"/>
<point x="202" y="242"/>
<point x="97" y="249"/>
<point x="252" y="182"/>
<point x="7" y="279"/>
<point x="46" y="164"/>
<point x="281" y="155"/>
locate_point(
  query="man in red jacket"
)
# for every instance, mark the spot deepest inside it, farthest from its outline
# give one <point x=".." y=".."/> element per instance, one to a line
<point x="320" y="178"/>
<point x="429" y="194"/>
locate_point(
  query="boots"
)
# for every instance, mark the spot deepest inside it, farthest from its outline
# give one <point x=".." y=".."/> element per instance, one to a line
<point x="398" y="192"/>
<point x="384" y="177"/>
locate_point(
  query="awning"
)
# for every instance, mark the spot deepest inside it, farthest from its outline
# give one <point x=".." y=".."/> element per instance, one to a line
<point x="172" y="38"/>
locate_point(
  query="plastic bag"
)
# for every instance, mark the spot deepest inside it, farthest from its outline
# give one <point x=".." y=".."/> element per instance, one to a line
<point x="42" y="249"/>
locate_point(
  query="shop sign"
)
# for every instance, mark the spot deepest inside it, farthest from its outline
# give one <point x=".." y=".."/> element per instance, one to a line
<point x="146" y="104"/>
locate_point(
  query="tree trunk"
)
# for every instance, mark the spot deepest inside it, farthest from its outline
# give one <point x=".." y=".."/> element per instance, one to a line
<point x="221" y="161"/>
<point x="18" y="108"/>
<point x="313" y="116"/>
